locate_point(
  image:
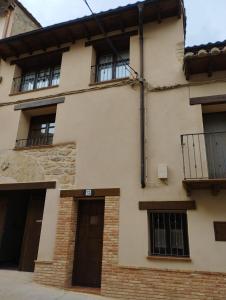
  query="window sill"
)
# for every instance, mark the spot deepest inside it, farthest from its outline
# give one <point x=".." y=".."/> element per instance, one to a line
<point x="109" y="81"/>
<point x="169" y="258"/>
<point x="32" y="147"/>
<point x="36" y="90"/>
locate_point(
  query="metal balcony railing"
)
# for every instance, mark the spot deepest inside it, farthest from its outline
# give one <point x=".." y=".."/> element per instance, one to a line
<point x="32" y="142"/>
<point x="204" y="155"/>
<point x="110" y="71"/>
<point x="31" y="83"/>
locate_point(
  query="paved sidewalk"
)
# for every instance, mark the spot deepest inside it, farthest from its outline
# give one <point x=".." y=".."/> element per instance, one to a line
<point x="19" y="286"/>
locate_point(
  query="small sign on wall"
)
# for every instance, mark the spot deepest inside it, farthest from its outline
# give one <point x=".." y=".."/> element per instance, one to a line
<point x="88" y="193"/>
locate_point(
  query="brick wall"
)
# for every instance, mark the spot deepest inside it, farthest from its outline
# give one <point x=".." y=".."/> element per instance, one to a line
<point x="124" y="282"/>
<point x="145" y="284"/>
<point x="58" y="273"/>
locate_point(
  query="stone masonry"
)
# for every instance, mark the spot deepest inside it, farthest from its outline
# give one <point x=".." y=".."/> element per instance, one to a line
<point x="39" y="164"/>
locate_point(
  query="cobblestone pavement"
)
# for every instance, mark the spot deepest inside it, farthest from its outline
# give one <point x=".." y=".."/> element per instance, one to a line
<point x="19" y="286"/>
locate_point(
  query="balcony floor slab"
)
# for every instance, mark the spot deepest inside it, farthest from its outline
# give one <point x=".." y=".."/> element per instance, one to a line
<point x="214" y="185"/>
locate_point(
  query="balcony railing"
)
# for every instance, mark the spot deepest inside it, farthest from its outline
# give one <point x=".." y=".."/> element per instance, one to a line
<point x="204" y="155"/>
<point x="110" y="71"/>
<point x="32" y="142"/>
<point x="25" y="84"/>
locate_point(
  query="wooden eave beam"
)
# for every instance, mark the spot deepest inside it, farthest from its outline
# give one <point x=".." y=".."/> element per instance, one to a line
<point x="38" y="55"/>
<point x="102" y="38"/>
<point x="43" y="44"/>
<point x="70" y="33"/>
<point x="105" y="27"/>
<point x="3" y="56"/>
<point x="57" y="40"/>
<point x="159" y="13"/>
<point x="210" y="67"/>
<point x="13" y="49"/>
<point x="86" y="31"/>
<point x="27" y="46"/>
<point x="122" y="24"/>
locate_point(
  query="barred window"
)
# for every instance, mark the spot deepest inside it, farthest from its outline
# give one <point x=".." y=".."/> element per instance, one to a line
<point x="41" y="131"/>
<point x="42" y="78"/>
<point x="168" y="234"/>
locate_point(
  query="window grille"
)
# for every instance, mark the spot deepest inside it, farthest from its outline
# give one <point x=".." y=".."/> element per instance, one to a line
<point x="168" y="234"/>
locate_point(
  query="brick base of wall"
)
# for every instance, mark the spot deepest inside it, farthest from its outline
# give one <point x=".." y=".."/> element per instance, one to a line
<point x="59" y="272"/>
<point x="123" y="282"/>
<point x="154" y="284"/>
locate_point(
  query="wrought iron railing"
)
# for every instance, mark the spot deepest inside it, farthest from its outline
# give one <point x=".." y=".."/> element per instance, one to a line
<point x="110" y="71"/>
<point x="204" y="155"/>
<point x="32" y="142"/>
<point x="25" y="84"/>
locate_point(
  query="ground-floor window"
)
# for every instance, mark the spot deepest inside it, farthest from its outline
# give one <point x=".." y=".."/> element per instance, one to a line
<point x="168" y="234"/>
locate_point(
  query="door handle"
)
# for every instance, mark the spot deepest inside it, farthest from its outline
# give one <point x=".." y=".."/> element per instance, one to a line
<point x="38" y="221"/>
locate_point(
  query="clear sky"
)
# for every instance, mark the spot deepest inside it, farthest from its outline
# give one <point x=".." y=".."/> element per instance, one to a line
<point x="206" y="18"/>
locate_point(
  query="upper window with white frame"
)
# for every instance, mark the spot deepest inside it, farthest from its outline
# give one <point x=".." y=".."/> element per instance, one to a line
<point x="37" y="72"/>
<point x="38" y="79"/>
<point x="109" y="64"/>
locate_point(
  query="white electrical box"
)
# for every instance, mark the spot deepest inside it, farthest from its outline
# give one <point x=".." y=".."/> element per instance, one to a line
<point x="162" y="171"/>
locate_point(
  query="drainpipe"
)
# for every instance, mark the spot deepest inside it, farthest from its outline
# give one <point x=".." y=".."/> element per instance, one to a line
<point x="142" y="102"/>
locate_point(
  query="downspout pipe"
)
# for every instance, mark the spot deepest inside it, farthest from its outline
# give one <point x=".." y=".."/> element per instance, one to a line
<point x="142" y="100"/>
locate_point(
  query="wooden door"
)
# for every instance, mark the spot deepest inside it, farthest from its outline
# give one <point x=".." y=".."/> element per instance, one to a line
<point x="89" y="244"/>
<point x="215" y="137"/>
<point x="32" y="232"/>
<point x="3" y="209"/>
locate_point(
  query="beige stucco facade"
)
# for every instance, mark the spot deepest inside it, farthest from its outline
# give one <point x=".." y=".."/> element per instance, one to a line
<point x="97" y="137"/>
<point x="15" y="20"/>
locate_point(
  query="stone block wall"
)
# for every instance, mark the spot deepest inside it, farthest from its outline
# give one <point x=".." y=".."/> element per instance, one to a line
<point x="39" y="164"/>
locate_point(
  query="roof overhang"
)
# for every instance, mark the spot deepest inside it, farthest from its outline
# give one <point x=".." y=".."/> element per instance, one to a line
<point x="86" y="27"/>
<point x="205" y="59"/>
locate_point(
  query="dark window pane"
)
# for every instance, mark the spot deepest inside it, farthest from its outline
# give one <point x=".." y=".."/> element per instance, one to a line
<point x="43" y="78"/>
<point x="41" y="130"/>
<point x="55" y="76"/>
<point x="28" y="82"/>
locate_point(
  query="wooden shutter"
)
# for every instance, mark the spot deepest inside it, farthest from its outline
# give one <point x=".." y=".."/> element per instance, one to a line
<point x="220" y="231"/>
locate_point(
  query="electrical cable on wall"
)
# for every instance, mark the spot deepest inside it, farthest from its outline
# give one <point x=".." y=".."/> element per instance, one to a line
<point x="128" y="67"/>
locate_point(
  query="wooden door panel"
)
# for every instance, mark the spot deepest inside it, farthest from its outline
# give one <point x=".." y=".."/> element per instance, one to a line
<point x="215" y="127"/>
<point x="3" y="209"/>
<point x="89" y="245"/>
<point x="32" y="232"/>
